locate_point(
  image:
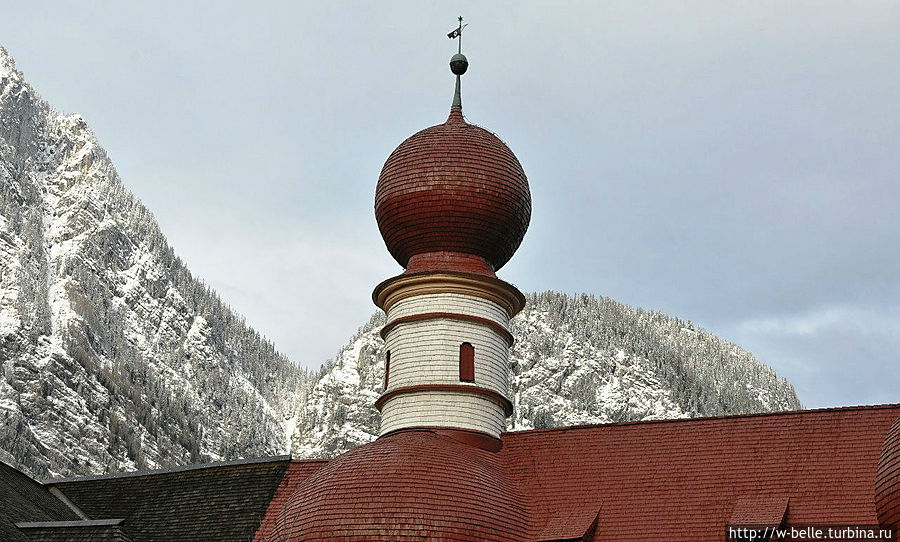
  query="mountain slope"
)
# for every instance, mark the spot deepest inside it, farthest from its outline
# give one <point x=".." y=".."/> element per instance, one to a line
<point x="113" y="356"/>
<point x="576" y="360"/>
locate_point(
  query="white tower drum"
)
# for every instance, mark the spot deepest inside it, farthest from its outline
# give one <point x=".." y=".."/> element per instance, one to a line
<point x="447" y="340"/>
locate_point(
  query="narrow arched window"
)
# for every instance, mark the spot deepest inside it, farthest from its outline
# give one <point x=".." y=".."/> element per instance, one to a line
<point x="387" y="368"/>
<point x="467" y="362"/>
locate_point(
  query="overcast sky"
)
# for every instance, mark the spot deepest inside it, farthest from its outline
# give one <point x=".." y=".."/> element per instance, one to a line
<point x="733" y="164"/>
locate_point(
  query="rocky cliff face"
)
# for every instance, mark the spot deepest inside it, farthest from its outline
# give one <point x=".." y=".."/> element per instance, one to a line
<point x="113" y="356"/>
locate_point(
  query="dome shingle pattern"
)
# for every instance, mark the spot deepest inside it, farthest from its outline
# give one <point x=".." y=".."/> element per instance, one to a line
<point x="411" y="485"/>
<point x="450" y="192"/>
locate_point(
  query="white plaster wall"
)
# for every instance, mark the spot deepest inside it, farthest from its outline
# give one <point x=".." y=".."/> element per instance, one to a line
<point x="443" y="409"/>
<point x="427" y="352"/>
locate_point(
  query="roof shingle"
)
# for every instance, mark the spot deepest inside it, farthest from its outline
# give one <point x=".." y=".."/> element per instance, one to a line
<point x="681" y="479"/>
<point x="24" y="499"/>
<point x="217" y="502"/>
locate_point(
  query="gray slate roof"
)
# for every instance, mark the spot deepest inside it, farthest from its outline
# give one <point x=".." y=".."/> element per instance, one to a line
<point x="214" y="502"/>
<point x="23" y="499"/>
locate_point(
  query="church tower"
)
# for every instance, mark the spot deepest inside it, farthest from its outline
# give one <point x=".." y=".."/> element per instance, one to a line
<point x="452" y="204"/>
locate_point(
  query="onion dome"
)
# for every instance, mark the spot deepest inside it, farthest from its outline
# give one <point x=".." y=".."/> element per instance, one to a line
<point x="409" y="485"/>
<point x="453" y="197"/>
<point x="887" y="481"/>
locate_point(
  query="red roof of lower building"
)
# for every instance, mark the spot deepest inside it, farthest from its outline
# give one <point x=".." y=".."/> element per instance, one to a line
<point x="659" y="480"/>
<point x="679" y="480"/>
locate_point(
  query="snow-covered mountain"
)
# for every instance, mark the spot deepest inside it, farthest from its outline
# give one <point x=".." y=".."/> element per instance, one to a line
<point x="576" y="360"/>
<point x="114" y="357"/>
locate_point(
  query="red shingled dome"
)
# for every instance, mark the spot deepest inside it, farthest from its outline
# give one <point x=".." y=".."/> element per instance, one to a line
<point x="453" y="197"/>
<point x="887" y="481"/>
<point x="411" y="485"/>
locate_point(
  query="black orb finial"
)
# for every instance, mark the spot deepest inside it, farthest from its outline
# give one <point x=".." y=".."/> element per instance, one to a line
<point x="459" y="64"/>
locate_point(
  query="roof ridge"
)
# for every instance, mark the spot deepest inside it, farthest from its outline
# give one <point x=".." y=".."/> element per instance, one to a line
<point x="169" y="470"/>
<point x="77" y="523"/>
<point x="19" y="471"/>
<point x="823" y="410"/>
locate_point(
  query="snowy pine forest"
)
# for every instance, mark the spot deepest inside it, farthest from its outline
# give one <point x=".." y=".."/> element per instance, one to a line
<point x="115" y="357"/>
<point x="576" y="360"/>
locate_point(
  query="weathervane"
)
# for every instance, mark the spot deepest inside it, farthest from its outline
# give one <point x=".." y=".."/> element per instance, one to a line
<point x="457" y="33"/>
<point x="458" y="63"/>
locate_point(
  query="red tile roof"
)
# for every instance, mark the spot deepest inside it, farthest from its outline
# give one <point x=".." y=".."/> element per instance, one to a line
<point x="572" y="525"/>
<point x="681" y="479"/>
<point x="759" y="510"/>
<point x="660" y="480"/>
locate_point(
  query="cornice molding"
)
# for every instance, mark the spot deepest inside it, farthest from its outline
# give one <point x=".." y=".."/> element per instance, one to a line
<point x="415" y="284"/>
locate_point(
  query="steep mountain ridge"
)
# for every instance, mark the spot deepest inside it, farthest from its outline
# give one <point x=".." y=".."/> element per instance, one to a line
<point x="113" y="356"/>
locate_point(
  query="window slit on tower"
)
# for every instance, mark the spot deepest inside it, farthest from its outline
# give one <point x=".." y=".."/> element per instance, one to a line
<point x="467" y="362"/>
<point x="387" y="368"/>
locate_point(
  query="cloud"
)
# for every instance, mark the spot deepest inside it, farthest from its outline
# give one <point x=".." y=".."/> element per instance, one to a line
<point x="863" y="320"/>
<point x="834" y="355"/>
<point x="306" y="289"/>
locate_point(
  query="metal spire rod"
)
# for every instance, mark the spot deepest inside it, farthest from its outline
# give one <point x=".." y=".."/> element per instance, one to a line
<point x="458" y="63"/>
